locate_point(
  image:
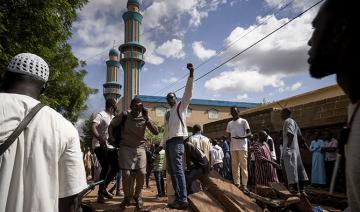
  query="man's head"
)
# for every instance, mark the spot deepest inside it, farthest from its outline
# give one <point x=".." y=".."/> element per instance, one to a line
<point x="285" y="113"/>
<point x="262" y="136"/>
<point x="316" y="134"/>
<point x="136" y="106"/>
<point x="214" y="142"/>
<point x="234" y="112"/>
<point x="328" y="135"/>
<point x="267" y="131"/>
<point x="110" y="105"/>
<point x="334" y="39"/>
<point x="171" y="99"/>
<point x="26" y="74"/>
<point x="196" y="128"/>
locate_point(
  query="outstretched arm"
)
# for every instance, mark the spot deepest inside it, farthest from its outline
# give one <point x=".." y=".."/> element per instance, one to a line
<point x="186" y="98"/>
<point x="153" y="129"/>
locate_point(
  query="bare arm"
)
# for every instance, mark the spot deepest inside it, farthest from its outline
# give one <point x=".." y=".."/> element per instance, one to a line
<point x="96" y="134"/>
<point x="186" y="98"/>
<point x="153" y="129"/>
<point x="247" y="132"/>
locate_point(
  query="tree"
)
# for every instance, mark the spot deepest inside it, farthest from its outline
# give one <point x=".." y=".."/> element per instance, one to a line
<point x="86" y="136"/>
<point x="152" y="139"/>
<point x="43" y="28"/>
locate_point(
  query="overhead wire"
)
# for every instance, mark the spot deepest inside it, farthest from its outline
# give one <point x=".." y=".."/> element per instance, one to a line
<point x="254" y="44"/>
<point x="219" y="51"/>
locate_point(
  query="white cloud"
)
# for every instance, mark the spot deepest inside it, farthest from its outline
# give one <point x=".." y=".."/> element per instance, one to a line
<point x="295" y="5"/>
<point x="172" y="49"/>
<point x="293" y="87"/>
<point x="243" y="81"/>
<point x="283" y="52"/>
<point x="201" y="52"/>
<point x="95" y="29"/>
<point x="170" y="80"/>
<point x="158" y="14"/>
<point x="150" y="54"/>
<point x="296" y="86"/>
<point x="242" y="97"/>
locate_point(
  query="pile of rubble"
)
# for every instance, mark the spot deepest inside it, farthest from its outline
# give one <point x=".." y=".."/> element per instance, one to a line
<point x="222" y="195"/>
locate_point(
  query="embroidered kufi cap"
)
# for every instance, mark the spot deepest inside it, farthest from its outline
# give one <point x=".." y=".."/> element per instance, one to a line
<point x="30" y="64"/>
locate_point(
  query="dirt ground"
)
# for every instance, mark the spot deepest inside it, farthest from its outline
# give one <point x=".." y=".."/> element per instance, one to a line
<point x="148" y="196"/>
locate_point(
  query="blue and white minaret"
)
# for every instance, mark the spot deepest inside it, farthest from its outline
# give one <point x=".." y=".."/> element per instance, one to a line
<point x="132" y="52"/>
<point x="112" y="87"/>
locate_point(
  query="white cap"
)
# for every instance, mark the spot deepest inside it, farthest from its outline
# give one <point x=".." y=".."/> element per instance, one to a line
<point x="30" y="64"/>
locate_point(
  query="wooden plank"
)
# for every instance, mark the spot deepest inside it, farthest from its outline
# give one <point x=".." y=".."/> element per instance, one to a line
<point x="265" y="191"/>
<point x="204" y="202"/>
<point x="281" y="190"/>
<point x="276" y="203"/>
<point x="228" y="194"/>
<point x="304" y="205"/>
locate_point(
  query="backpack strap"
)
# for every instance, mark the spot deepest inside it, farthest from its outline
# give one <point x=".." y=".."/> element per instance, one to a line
<point x="178" y="113"/>
<point x="20" y="128"/>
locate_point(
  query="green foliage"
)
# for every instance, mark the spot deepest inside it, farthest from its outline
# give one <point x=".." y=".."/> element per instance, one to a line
<point x="86" y="137"/>
<point x="43" y="28"/>
<point x="152" y="139"/>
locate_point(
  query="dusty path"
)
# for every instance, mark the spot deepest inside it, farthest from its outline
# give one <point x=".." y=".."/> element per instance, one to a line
<point x="149" y="198"/>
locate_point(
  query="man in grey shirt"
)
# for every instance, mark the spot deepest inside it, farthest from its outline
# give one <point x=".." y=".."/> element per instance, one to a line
<point x="294" y="168"/>
<point x="132" y="155"/>
<point x="334" y="50"/>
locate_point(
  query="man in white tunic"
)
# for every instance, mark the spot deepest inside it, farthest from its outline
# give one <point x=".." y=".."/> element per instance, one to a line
<point x="294" y="168"/>
<point x="43" y="169"/>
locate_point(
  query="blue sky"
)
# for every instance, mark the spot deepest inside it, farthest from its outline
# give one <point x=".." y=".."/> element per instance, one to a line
<point x="177" y="32"/>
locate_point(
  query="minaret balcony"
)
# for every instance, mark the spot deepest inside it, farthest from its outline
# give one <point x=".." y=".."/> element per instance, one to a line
<point x="132" y="55"/>
<point x="111" y="91"/>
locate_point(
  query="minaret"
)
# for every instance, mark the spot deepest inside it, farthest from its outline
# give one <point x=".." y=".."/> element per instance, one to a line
<point x="112" y="87"/>
<point x="132" y="52"/>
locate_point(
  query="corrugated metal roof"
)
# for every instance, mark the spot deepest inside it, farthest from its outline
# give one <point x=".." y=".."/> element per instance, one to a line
<point x="206" y="102"/>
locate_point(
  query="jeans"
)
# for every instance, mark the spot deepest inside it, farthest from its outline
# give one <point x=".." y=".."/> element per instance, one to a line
<point x="174" y="159"/>
<point x="226" y="172"/>
<point x="159" y="182"/>
<point x="118" y="180"/>
<point x="108" y="160"/>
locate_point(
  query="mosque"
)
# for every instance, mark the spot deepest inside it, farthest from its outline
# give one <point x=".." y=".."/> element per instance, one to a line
<point x="130" y="56"/>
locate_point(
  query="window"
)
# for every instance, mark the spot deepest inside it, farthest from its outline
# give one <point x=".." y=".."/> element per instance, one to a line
<point x="160" y="111"/>
<point x="213" y="114"/>
<point x="188" y="113"/>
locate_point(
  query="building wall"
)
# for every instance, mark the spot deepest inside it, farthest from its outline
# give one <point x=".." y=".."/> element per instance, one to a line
<point x="328" y="114"/>
<point x="199" y="113"/>
<point x="313" y="115"/>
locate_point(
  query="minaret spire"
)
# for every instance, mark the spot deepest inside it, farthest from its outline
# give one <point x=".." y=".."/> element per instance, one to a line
<point x="132" y="52"/>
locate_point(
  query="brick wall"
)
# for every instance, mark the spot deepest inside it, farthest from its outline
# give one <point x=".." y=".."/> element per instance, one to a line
<point x="328" y="114"/>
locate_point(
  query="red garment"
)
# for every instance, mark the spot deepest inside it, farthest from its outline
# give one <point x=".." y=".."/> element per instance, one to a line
<point x="265" y="172"/>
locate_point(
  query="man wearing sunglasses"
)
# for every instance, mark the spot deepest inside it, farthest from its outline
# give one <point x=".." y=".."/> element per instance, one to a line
<point x="174" y="132"/>
<point x="132" y="154"/>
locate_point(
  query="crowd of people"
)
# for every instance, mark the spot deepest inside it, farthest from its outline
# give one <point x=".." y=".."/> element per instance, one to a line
<point x="42" y="167"/>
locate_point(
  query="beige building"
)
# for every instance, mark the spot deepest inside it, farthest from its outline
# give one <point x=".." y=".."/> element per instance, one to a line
<point x="200" y="111"/>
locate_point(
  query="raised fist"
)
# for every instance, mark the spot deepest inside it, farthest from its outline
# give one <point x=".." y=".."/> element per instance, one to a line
<point x="190" y="66"/>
